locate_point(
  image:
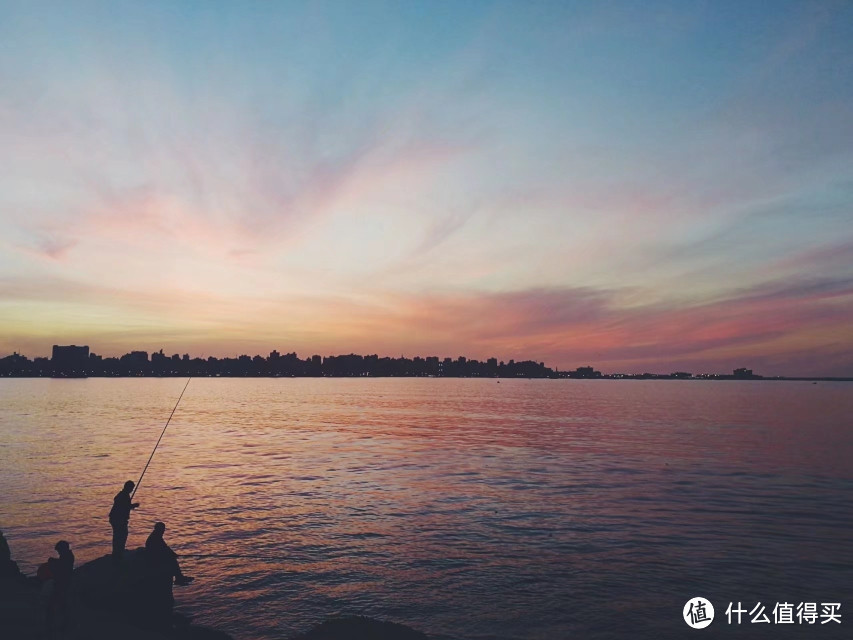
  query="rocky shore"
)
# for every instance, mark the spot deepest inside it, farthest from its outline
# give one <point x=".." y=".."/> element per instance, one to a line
<point x="135" y="602"/>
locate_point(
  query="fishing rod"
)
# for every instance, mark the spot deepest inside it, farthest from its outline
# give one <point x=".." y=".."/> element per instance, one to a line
<point x="136" y="488"/>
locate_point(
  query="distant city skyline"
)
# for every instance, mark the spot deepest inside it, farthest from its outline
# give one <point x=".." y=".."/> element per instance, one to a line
<point x="657" y="186"/>
<point x="77" y="361"/>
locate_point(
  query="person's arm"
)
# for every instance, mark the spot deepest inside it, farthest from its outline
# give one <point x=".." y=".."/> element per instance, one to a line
<point x="125" y="499"/>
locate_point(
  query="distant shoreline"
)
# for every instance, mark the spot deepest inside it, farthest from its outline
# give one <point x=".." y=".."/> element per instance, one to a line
<point x="642" y="376"/>
<point x="73" y="361"/>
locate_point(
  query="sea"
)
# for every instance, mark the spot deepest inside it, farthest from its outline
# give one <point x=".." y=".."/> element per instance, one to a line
<point x="469" y="509"/>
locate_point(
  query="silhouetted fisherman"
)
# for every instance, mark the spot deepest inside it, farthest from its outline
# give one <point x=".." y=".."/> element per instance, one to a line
<point x="61" y="570"/>
<point x="160" y="553"/>
<point x="119" y="517"/>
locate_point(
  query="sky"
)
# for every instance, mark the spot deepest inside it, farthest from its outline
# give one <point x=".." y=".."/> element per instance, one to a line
<point x="637" y="186"/>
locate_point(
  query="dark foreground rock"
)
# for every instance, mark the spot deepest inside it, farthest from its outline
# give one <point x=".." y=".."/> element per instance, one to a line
<point x="136" y="593"/>
<point x="137" y="590"/>
<point x="131" y="602"/>
<point x="360" y="628"/>
<point x="134" y="602"/>
<point x="21" y="612"/>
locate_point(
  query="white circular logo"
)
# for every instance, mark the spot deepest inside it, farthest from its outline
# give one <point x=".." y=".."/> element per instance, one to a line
<point x="698" y="613"/>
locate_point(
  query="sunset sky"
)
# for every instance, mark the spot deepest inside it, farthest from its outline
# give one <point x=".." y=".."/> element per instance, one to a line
<point x="637" y="186"/>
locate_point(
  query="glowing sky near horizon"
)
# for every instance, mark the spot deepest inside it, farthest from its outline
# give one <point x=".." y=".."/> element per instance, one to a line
<point x="637" y="186"/>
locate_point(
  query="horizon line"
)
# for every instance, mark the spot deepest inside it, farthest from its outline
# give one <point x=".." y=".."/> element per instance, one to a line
<point x="461" y="359"/>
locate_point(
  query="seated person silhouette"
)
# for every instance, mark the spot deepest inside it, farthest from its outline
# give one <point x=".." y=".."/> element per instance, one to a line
<point x="160" y="553"/>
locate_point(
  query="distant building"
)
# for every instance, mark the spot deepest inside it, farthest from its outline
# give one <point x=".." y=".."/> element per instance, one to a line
<point x="135" y="363"/>
<point x="584" y="372"/>
<point x="69" y="360"/>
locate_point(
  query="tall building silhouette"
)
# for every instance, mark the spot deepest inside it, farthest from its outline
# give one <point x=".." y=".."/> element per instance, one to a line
<point x="70" y="360"/>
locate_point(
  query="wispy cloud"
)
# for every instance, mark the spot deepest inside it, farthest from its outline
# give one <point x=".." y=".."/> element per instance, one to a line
<point x="488" y="180"/>
<point x="50" y="246"/>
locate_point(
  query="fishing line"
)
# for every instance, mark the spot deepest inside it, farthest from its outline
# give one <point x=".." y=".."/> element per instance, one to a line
<point x="136" y="488"/>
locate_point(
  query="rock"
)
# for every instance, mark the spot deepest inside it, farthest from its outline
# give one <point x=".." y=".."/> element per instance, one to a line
<point x="137" y="590"/>
<point x="360" y="628"/>
<point x="8" y="567"/>
<point x="21" y="610"/>
<point x="134" y="602"/>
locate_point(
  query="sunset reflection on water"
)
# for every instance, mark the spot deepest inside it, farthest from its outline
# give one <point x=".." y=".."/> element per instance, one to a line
<point x="464" y="508"/>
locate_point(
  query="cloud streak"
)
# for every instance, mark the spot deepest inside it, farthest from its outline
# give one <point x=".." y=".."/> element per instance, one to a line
<point x="472" y="181"/>
<point x="564" y="327"/>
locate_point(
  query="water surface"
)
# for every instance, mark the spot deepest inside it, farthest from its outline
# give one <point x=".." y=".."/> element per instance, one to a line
<point x="469" y="509"/>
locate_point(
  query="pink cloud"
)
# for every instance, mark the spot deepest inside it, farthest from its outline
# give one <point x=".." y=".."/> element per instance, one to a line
<point x="53" y="246"/>
<point x="801" y="328"/>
